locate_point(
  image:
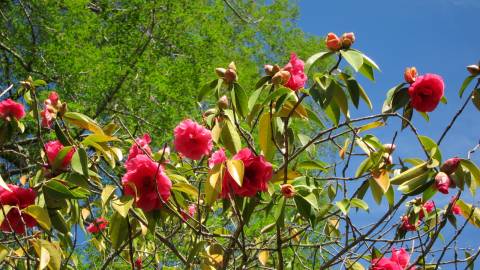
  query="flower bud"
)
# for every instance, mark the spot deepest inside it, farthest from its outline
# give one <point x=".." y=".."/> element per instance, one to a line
<point x="281" y="77"/>
<point x="389" y="147"/>
<point x="333" y="42"/>
<point x="410" y="75"/>
<point x="63" y="109"/>
<point x="450" y="165"/>
<point x="232" y="66"/>
<point x="347" y="40"/>
<point x="210" y="112"/>
<point x="407" y="226"/>
<point x="268" y="70"/>
<point x="474" y="70"/>
<point x="54" y="98"/>
<point x="230" y="75"/>
<point x="287" y="190"/>
<point x="220" y="72"/>
<point x="222" y="102"/>
<point x="442" y="182"/>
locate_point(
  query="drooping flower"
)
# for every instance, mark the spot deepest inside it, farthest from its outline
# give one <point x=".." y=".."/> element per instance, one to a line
<point x="217" y="158"/>
<point x="297" y="76"/>
<point x="146" y="180"/>
<point x="140" y="143"/>
<point x="192" y="140"/>
<point x="97" y="225"/>
<point x="443" y="182"/>
<point x="52" y="149"/>
<point x="10" y="109"/>
<point x="257" y="172"/>
<point x="20" y="198"/>
<point x="426" y="92"/>
<point x="398" y="261"/>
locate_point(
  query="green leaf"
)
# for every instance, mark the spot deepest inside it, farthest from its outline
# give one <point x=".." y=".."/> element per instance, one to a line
<point x="466" y="210"/>
<point x="230" y="137"/>
<point x="240" y="100"/>
<point x="40" y="214"/>
<point x="377" y="192"/>
<point x="60" y="135"/>
<point x="358" y="203"/>
<point x="252" y="100"/>
<point x="432" y="147"/>
<point x="58" y="190"/>
<point x="206" y="88"/>
<point x="472" y="168"/>
<point x="465" y="84"/>
<point x="80" y="162"/>
<point x="236" y="170"/>
<point x="314" y="58"/>
<point x="186" y="188"/>
<point x="407" y="115"/>
<point x="344" y="206"/>
<point x="118" y="230"/>
<point x="58" y="222"/>
<point x="367" y="71"/>
<point x="54" y="252"/>
<point x="122" y="205"/>
<point x="313" y="165"/>
<point x="476" y="98"/>
<point x="82" y="121"/>
<point x="409" y="174"/>
<point x="333" y="113"/>
<point x="279" y="213"/>
<point x="354" y="58"/>
<point x="107" y="194"/>
<point x="213" y="185"/>
<point x="265" y="136"/>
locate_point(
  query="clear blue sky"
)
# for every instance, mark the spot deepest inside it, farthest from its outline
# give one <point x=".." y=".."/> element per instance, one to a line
<point x="436" y="36"/>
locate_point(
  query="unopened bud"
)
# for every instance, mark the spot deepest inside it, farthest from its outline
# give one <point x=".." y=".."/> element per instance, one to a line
<point x="220" y="72"/>
<point x="210" y="112"/>
<point x="410" y="75"/>
<point x="268" y="70"/>
<point x="222" y="102"/>
<point x="230" y="76"/>
<point x="287" y="190"/>
<point x="474" y="70"/>
<point x="63" y="109"/>
<point x="450" y="165"/>
<point x="347" y="40"/>
<point x="333" y="42"/>
<point x="281" y="77"/>
<point x="443" y="182"/>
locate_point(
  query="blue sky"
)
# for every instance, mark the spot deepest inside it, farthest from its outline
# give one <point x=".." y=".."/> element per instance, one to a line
<point x="436" y="36"/>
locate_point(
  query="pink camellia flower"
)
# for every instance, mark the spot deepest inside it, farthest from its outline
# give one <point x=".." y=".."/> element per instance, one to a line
<point x="97" y="225"/>
<point x="53" y="97"/>
<point x="192" y="210"/>
<point x="20" y="198"/>
<point x="11" y="109"/>
<point x="450" y="165"/>
<point x="47" y="118"/>
<point x="428" y="207"/>
<point x="407" y="226"/>
<point x="256" y="175"/>
<point x="217" y="158"/>
<point x="426" y="92"/>
<point x="139" y="182"/>
<point x="333" y="42"/>
<point x="443" y="182"/>
<point x="192" y="140"/>
<point x="297" y="77"/>
<point x="52" y="149"/>
<point x="140" y="143"/>
<point x="398" y="261"/>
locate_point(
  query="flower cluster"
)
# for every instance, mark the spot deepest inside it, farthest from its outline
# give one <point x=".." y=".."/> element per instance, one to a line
<point x="19" y="198"/>
<point x="53" y="106"/>
<point x="98" y="225"/>
<point x="335" y="43"/>
<point x="398" y="261"/>
<point x="292" y="75"/>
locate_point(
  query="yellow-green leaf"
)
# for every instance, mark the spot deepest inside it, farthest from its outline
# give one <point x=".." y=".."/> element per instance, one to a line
<point x="263" y="257"/>
<point x="107" y="193"/>
<point x="382" y="179"/>
<point x="186" y="188"/>
<point x="40" y="214"/>
<point x="236" y="169"/>
<point x="122" y="205"/>
<point x="213" y="185"/>
<point x="265" y="136"/>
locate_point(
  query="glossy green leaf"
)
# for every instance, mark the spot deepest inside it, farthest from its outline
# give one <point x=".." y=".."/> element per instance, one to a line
<point x="118" y="230"/>
<point x="40" y="214"/>
<point x="354" y="58"/>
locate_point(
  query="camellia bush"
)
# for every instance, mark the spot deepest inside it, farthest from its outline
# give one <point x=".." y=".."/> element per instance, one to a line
<point x="245" y="184"/>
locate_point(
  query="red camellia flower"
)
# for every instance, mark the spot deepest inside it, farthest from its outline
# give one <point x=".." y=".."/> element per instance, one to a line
<point x="256" y="175"/>
<point x="140" y="143"/>
<point x="428" y="207"/>
<point x="192" y="140"/>
<point x="11" y="109"/>
<point x="138" y="264"/>
<point x="426" y="92"/>
<point x="20" y="198"/>
<point x="52" y="149"/>
<point x="450" y="165"/>
<point x="443" y="182"/>
<point x="217" y="158"/>
<point x="333" y="42"/>
<point x="398" y="261"/>
<point x="53" y="98"/>
<point x="139" y="182"/>
<point x="97" y="225"/>
<point x="297" y="77"/>
<point x="407" y="226"/>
